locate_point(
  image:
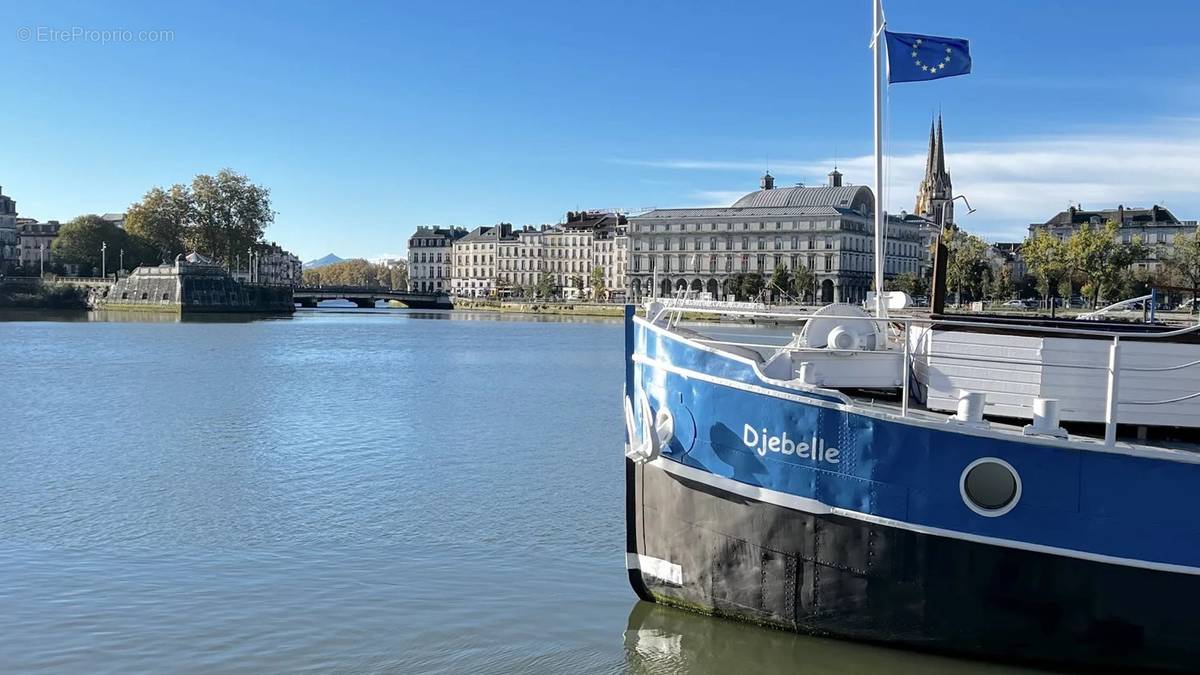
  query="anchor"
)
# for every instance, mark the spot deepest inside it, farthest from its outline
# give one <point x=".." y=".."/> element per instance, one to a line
<point x="646" y="444"/>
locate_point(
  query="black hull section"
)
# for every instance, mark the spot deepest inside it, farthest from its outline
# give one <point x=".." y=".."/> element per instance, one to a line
<point x="843" y="577"/>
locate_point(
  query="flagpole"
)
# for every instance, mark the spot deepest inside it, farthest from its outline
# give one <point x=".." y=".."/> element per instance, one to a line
<point x="880" y="223"/>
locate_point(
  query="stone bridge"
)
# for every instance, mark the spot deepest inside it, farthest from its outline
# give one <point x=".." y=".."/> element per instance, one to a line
<point x="309" y="296"/>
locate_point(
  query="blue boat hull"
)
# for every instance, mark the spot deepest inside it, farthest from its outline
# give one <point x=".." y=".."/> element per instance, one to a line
<point x="841" y="577"/>
<point x="793" y="507"/>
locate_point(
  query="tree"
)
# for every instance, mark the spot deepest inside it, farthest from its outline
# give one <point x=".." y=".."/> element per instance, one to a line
<point x="161" y="219"/>
<point x="359" y="272"/>
<point x="1184" y="261"/>
<point x="399" y="274"/>
<point x="229" y="214"/>
<point x="1001" y="286"/>
<point x="752" y="285"/>
<point x="912" y="284"/>
<point x="966" y="263"/>
<point x="1139" y="282"/>
<point x="781" y="281"/>
<point x="79" y="242"/>
<point x="597" y="281"/>
<point x="804" y="283"/>
<point x="1099" y="259"/>
<point x="545" y="285"/>
<point x="1046" y="257"/>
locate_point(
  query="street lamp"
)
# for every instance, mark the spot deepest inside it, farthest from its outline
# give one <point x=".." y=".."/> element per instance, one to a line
<point x="104" y="259"/>
<point x="122" y="260"/>
<point x="937" y="303"/>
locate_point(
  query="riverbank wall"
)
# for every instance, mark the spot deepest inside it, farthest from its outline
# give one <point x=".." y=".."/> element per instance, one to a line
<point x="608" y="310"/>
<point x="33" y="294"/>
<point x="190" y="288"/>
<point x="532" y="307"/>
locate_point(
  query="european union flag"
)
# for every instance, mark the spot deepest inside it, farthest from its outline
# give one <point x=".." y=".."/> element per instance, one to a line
<point x="913" y="58"/>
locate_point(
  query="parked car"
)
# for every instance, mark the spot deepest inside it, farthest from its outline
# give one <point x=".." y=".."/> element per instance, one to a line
<point x="1190" y="305"/>
<point x="1017" y="304"/>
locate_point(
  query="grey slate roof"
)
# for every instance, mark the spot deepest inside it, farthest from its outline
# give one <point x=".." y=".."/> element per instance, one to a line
<point x="734" y="211"/>
<point x="842" y="195"/>
<point x="481" y="233"/>
<point x="1155" y="214"/>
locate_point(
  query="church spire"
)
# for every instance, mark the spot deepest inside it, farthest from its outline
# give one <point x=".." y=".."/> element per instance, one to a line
<point x="932" y="151"/>
<point x="940" y="164"/>
<point x="935" y="196"/>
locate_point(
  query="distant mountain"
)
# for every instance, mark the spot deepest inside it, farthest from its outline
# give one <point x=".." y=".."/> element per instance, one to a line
<point x="321" y="262"/>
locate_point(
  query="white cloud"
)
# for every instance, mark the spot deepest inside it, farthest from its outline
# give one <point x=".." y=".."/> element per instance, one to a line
<point x="384" y="257"/>
<point x="714" y="198"/>
<point x="1016" y="182"/>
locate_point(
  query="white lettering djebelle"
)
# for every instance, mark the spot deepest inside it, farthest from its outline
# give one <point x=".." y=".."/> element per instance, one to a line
<point x="763" y="441"/>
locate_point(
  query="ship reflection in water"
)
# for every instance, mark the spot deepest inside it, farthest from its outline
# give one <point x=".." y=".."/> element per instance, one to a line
<point x="661" y="639"/>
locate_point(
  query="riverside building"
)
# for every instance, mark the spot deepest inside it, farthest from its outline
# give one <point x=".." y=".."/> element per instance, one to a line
<point x="587" y="240"/>
<point x="474" y="273"/>
<point x="610" y="252"/>
<point x="1156" y="227"/>
<point x="498" y="260"/>
<point x="827" y="230"/>
<point x="34" y="241"/>
<point x="519" y="259"/>
<point x="8" y="232"/>
<point x="277" y="267"/>
<point x="431" y="258"/>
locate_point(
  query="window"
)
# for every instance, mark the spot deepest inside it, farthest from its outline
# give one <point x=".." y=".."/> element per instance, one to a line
<point x="990" y="487"/>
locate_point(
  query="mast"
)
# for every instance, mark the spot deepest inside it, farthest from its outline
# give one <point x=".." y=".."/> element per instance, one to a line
<point x="880" y="222"/>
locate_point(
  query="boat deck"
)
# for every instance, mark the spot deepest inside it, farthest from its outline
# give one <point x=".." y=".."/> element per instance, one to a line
<point x="763" y="340"/>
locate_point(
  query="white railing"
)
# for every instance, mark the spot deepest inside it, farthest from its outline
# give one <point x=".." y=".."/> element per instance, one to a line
<point x="1116" y="306"/>
<point x="672" y="309"/>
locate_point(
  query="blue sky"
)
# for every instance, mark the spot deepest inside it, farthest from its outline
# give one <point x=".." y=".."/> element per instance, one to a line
<point x="367" y="119"/>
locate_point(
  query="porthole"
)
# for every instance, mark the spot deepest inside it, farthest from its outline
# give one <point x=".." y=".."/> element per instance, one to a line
<point x="990" y="486"/>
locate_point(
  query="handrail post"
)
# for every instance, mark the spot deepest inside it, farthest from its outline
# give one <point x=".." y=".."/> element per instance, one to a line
<point x="904" y="373"/>
<point x="1111" y="402"/>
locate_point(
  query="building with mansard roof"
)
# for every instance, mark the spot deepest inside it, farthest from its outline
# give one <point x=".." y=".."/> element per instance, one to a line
<point x="8" y="233"/>
<point x="1155" y="226"/>
<point x="501" y="261"/>
<point x="431" y="258"/>
<point x="827" y="229"/>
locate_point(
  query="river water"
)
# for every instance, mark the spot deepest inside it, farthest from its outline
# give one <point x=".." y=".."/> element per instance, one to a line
<point x="341" y="491"/>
